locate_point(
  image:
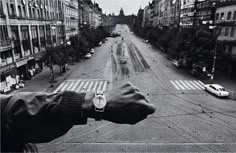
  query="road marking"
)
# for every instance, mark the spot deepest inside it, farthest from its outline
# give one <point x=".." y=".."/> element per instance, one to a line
<point x="104" y="86"/>
<point x="199" y="84"/>
<point x="95" y="86"/>
<point x="75" y="85"/>
<point x="194" y="85"/>
<point x="85" y="85"/>
<point x="184" y="85"/>
<point x="179" y="85"/>
<point x="100" y="85"/>
<point x="60" y="86"/>
<point x="188" y="84"/>
<point x="90" y="86"/>
<point x="80" y="86"/>
<point x="65" y="86"/>
<point x="70" y="86"/>
<point x="173" y="83"/>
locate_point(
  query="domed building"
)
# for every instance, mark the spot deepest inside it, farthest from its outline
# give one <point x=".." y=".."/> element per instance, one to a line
<point x="122" y="18"/>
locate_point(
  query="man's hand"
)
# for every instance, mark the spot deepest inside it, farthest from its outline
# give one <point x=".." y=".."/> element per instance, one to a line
<point x="125" y="105"/>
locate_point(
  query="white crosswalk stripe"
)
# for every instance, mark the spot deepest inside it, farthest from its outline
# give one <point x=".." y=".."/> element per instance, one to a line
<point x="83" y="85"/>
<point x="187" y="84"/>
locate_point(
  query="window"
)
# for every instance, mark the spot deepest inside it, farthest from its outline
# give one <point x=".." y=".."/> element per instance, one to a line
<point x="23" y="11"/>
<point x="1" y="9"/>
<point x="4" y="33"/>
<point x="229" y="16"/>
<point x="217" y="16"/>
<point x="234" y="17"/>
<point x="12" y="10"/>
<point x="226" y="31"/>
<point x="233" y="32"/>
<point x="19" y="10"/>
<point x="222" y="16"/>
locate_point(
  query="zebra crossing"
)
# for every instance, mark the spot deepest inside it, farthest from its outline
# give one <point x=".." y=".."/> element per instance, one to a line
<point x="83" y="85"/>
<point x="188" y="84"/>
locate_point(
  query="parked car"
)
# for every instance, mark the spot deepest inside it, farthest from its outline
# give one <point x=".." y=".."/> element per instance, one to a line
<point x="92" y="51"/>
<point x="217" y="90"/>
<point x="88" y="55"/>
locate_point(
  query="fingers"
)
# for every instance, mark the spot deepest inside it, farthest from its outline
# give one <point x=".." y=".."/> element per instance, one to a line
<point x="146" y="108"/>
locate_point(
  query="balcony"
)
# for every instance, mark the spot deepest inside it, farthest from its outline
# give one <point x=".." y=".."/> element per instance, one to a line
<point x="5" y="44"/>
<point x="226" y="3"/>
<point x="227" y="40"/>
<point x="226" y="23"/>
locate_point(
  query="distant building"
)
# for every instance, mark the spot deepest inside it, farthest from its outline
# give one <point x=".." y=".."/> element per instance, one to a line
<point x="148" y="16"/>
<point x="187" y="13"/>
<point x="71" y="18"/>
<point x="225" y="20"/>
<point x="121" y="18"/>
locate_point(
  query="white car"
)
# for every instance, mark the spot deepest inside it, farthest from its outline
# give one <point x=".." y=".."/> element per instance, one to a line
<point x="92" y="51"/>
<point x="88" y="55"/>
<point x="217" y="90"/>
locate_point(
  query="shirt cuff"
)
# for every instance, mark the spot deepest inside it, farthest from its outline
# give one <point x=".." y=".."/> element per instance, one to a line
<point x="72" y="104"/>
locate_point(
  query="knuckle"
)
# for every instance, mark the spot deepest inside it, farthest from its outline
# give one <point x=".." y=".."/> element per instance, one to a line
<point x="140" y="95"/>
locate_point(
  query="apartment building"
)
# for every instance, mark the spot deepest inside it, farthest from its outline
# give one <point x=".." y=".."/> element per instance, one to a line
<point x="97" y="16"/>
<point x="187" y="13"/>
<point x="148" y="16"/>
<point x="27" y="28"/>
<point x="225" y="20"/>
<point x="205" y="13"/>
<point x="71" y="18"/>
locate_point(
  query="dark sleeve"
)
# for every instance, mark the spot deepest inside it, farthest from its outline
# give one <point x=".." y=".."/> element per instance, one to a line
<point x="40" y="117"/>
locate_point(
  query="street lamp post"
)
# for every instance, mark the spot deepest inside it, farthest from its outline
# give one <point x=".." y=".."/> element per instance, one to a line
<point x="214" y="61"/>
<point x="51" y="71"/>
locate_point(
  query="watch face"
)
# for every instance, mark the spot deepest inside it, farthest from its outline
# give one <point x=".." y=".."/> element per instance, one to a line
<point x="99" y="102"/>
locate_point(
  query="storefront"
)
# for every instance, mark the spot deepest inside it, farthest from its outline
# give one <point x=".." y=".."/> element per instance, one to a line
<point x="22" y="69"/>
<point x="9" y="78"/>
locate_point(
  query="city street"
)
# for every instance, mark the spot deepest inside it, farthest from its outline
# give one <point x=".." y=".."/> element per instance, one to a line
<point x="187" y="118"/>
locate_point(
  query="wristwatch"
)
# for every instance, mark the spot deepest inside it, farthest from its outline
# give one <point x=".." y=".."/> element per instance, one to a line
<point x="99" y="103"/>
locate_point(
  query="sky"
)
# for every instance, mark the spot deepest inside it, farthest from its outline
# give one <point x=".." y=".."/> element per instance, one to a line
<point x="129" y="6"/>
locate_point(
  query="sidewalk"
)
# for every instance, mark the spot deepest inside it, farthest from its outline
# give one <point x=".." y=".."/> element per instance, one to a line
<point x="41" y="81"/>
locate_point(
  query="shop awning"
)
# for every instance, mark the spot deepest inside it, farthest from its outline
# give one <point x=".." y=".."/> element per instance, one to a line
<point x="21" y="63"/>
<point x="7" y="69"/>
<point x="39" y="55"/>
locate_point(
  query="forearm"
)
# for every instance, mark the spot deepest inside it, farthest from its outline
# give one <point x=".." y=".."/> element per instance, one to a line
<point x="41" y="117"/>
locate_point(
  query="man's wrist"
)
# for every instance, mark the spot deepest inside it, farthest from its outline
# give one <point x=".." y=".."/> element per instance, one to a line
<point x="87" y="106"/>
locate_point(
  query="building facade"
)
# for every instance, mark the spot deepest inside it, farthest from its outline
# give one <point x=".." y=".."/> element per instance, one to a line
<point x="27" y="28"/>
<point x="71" y="18"/>
<point x="148" y="16"/>
<point x="187" y="13"/>
<point x="225" y="20"/>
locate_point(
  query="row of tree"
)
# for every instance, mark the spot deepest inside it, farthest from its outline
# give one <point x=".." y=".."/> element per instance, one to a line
<point x="190" y="46"/>
<point x="79" y="45"/>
